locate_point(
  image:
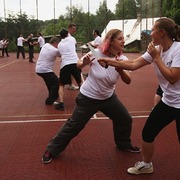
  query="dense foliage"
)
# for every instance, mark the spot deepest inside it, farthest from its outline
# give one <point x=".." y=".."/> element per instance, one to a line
<point x="14" y="25"/>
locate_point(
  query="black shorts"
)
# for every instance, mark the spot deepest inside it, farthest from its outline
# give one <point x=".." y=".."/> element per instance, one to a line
<point x="159" y="91"/>
<point x="67" y="71"/>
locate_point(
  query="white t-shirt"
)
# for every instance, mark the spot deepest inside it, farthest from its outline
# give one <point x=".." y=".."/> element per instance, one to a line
<point x="97" y="41"/>
<point x="46" y="58"/>
<point x="1" y="44"/>
<point x="73" y="38"/>
<point x="100" y="83"/>
<point x="171" y="58"/>
<point x="67" y="50"/>
<point x="41" y="41"/>
<point x="20" y="41"/>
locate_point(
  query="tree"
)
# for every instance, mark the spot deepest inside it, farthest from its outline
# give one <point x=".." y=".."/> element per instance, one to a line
<point x="171" y="9"/>
<point x="102" y="17"/>
<point x="126" y="9"/>
<point x="14" y="25"/>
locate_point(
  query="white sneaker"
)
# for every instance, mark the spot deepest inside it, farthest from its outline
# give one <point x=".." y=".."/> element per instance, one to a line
<point x="141" y="168"/>
<point x="73" y="87"/>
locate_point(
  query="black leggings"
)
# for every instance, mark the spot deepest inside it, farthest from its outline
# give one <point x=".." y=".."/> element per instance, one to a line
<point x="161" y="116"/>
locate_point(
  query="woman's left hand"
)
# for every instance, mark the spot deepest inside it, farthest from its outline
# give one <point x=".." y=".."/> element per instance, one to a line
<point x="153" y="51"/>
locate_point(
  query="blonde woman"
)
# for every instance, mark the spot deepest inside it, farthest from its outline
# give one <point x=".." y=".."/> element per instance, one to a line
<point x="97" y="93"/>
<point x="164" y="52"/>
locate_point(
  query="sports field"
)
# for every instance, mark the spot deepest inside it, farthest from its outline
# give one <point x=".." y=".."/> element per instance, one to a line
<point x="27" y="124"/>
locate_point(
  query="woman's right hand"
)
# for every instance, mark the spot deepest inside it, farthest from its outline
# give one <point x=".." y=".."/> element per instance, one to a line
<point x="87" y="59"/>
<point x="104" y="62"/>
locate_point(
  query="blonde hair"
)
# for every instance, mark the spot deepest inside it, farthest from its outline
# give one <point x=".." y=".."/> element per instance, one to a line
<point x="172" y="29"/>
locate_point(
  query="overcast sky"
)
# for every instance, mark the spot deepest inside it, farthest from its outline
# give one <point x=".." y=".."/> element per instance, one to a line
<point x="46" y="7"/>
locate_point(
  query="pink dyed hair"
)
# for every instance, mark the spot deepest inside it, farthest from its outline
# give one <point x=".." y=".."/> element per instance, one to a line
<point x="106" y="44"/>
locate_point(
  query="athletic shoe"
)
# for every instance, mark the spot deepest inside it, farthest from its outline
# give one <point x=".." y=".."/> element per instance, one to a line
<point x="55" y="103"/>
<point x="47" y="157"/>
<point x="60" y="106"/>
<point x="50" y="101"/>
<point x="73" y="87"/>
<point x="132" y="149"/>
<point x="141" y="168"/>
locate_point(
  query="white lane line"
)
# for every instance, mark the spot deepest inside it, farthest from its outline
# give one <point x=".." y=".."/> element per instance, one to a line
<point x="59" y="120"/>
<point x="32" y="116"/>
<point x="8" y="64"/>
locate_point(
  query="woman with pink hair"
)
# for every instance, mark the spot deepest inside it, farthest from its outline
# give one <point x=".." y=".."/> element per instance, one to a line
<point x="97" y="93"/>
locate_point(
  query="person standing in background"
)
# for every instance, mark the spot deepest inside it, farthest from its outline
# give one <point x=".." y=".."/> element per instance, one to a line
<point x="68" y="67"/>
<point x="97" y="41"/>
<point x="41" y="41"/>
<point x="72" y="30"/>
<point x="5" y="47"/>
<point x="20" y="47"/>
<point x="1" y="46"/>
<point x="31" y="48"/>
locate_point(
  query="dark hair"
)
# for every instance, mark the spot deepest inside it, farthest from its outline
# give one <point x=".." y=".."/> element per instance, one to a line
<point x="172" y="29"/>
<point x="54" y="40"/>
<point x="97" y="32"/>
<point x="63" y="33"/>
<point x="71" y="25"/>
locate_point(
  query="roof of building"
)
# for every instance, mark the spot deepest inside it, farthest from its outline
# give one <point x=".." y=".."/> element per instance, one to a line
<point x="131" y="28"/>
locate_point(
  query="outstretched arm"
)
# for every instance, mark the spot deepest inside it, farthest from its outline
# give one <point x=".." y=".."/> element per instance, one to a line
<point x="127" y="65"/>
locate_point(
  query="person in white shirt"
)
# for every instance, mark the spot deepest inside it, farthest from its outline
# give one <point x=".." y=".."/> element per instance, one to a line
<point x="97" y="41"/>
<point x="68" y="67"/>
<point x="71" y="31"/>
<point x="97" y="93"/>
<point x="164" y="53"/>
<point x="44" y="68"/>
<point x="5" y="47"/>
<point x="1" y="44"/>
<point x="41" y="41"/>
<point x="20" y="47"/>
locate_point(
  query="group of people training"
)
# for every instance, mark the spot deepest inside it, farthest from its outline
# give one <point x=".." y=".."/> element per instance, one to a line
<point x="31" y="43"/>
<point x="4" y="43"/>
<point x="97" y="92"/>
<point x="64" y="47"/>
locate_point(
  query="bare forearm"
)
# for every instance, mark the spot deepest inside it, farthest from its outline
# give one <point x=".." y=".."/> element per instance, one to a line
<point x="125" y="76"/>
<point x="124" y="64"/>
<point x="80" y="64"/>
<point x="128" y="65"/>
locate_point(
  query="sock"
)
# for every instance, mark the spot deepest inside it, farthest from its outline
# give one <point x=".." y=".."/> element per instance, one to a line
<point x="147" y="164"/>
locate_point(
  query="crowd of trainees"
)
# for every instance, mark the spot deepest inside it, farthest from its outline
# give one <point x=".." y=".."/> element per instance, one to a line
<point x="97" y="91"/>
<point x="4" y="43"/>
<point x="31" y="43"/>
<point x="65" y="47"/>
